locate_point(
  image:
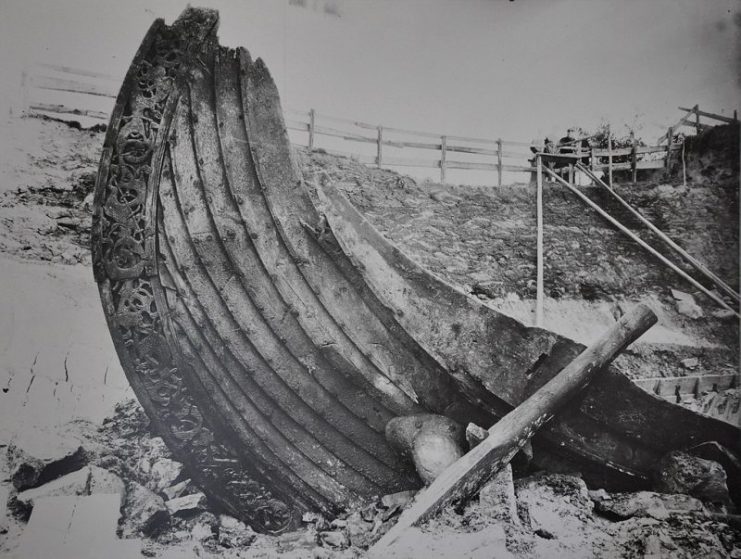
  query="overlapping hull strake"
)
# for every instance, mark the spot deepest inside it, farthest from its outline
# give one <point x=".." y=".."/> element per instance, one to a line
<point x="271" y="334"/>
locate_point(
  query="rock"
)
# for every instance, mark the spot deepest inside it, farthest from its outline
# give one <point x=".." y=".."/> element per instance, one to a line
<point x="686" y="304"/>
<point x="433" y="441"/>
<point x="690" y="363"/>
<point x="475" y="434"/>
<point x="334" y="539"/>
<point x="234" y="533"/>
<point x="163" y="473"/>
<point x="678" y="472"/>
<point x="43" y="455"/>
<point x="723" y="314"/>
<point x="104" y="482"/>
<point x="73" y="484"/>
<point x="176" y="490"/>
<point x="202" y="531"/>
<point x="553" y="503"/>
<point x="87" y="203"/>
<point x="399" y="499"/>
<point x="497" y="497"/>
<point x="144" y="511"/>
<point x="188" y="504"/>
<point x="647" y="503"/>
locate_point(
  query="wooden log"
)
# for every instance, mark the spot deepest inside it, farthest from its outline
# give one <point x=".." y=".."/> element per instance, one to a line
<point x="466" y="476"/>
<point x="696" y="264"/>
<point x="643" y="244"/>
<point x="708" y="115"/>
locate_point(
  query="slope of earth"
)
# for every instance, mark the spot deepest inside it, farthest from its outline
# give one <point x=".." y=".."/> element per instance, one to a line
<point x="484" y="239"/>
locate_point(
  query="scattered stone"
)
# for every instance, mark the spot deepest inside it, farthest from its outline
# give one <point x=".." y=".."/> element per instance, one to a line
<point x="474" y="435"/>
<point x="234" y="533"/>
<point x="678" y="472"/>
<point x="144" y="511"/>
<point x="335" y="539"/>
<point x="188" y="504"/>
<point x="599" y="495"/>
<point x="42" y="456"/>
<point x="176" y="490"/>
<point x="163" y="473"/>
<point x="723" y="314"/>
<point x="202" y="531"/>
<point x="555" y="503"/>
<point x="690" y="363"/>
<point x="74" y="484"/>
<point x="399" y="499"/>
<point x="497" y="497"/>
<point x="648" y="503"/>
<point x="686" y="304"/>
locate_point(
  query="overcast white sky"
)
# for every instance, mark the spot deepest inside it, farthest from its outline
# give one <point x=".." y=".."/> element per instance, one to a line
<point x="494" y="68"/>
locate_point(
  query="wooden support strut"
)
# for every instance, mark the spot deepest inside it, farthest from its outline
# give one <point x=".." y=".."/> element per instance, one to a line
<point x="466" y="476"/>
<point x="643" y="244"/>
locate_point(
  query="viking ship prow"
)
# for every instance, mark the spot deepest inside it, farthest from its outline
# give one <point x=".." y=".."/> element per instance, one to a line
<point x="271" y="334"/>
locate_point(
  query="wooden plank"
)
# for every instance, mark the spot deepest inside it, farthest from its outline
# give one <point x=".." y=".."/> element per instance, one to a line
<point x="655" y="164"/>
<point x="80" y="72"/>
<point x="642" y="243"/>
<point x="714" y="116"/>
<point x="345" y="135"/>
<point x="470" y="165"/>
<point x="403" y="162"/>
<point x="466" y="476"/>
<point x="62" y="109"/>
<point x="72" y="86"/>
<point x="615" y="152"/>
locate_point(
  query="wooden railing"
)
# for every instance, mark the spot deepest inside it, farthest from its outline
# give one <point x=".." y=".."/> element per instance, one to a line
<point x="400" y="147"/>
<point x="72" y="93"/>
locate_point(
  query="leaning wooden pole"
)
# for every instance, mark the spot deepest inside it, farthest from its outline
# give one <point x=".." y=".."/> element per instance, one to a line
<point x="699" y="266"/>
<point x="539" y="245"/>
<point x="465" y="477"/>
<point x="643" y="244"/>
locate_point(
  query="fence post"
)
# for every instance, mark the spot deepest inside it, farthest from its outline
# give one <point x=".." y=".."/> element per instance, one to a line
<point x="379" y="150"/>
<point x="443" y="147"/>
<point x="609" y="157"/>
<point x="669" y="138"/>
<point x="499" y="161"/>
<point x="697" y="118"/>
<point x="311" y="129"/>
<point x="684" y="168"/>
<point x="539" y="244"/>
<point x="634" y="156"/>
<point x="593" y="161"/>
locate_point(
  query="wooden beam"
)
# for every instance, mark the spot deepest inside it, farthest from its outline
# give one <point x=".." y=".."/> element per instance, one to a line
<point x="466" y="476"/>
<point x="708" y="115"/>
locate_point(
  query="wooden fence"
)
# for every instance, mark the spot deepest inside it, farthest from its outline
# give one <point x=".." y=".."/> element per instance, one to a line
<point x="71" y="93"/>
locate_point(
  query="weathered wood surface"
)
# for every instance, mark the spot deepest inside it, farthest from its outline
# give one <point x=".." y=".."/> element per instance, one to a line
<point x="465" y="477"/>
